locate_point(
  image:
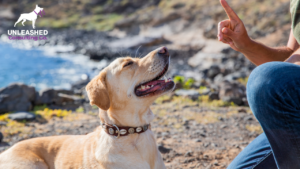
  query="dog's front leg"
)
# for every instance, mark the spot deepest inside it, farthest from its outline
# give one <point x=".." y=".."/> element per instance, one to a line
<point x="33" y="23"/>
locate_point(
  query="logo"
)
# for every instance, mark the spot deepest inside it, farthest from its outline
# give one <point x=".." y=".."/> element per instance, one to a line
<point x="32" y="16"/>
<point x="28" y="34"/>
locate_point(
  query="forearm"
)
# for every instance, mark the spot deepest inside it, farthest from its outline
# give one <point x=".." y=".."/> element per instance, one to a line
<point x="258" y="53"/>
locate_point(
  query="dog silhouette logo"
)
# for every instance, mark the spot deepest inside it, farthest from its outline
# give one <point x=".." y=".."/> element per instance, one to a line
<point x="32" y="16"/>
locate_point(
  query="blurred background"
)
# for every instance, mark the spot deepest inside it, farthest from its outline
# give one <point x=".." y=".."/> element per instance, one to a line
<point x="42" y="82"/>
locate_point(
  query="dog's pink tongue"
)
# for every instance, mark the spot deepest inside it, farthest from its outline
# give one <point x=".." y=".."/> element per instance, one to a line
<point x="153" y="85"/>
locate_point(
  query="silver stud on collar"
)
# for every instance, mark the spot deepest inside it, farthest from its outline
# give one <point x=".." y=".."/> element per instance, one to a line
<point x="145" y="127"/>
<point x="131" y="130"/>
<point x="111" y="131"/>
<point x="123" y="131"/>
<point x="139" y="129"/>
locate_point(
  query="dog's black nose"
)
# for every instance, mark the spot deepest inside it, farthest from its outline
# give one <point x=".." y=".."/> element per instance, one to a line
<point x="164" y="51"/>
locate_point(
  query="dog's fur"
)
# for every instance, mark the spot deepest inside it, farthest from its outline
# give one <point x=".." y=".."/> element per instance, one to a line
<point x="32" y="16"/>
<point x="113" y="92"/>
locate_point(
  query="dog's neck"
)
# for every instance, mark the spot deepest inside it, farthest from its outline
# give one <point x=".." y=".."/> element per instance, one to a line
<point x="138" y="142"/>
<point x="133" y="118"/>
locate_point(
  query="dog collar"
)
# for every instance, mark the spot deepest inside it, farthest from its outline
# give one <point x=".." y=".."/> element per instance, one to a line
<point x="123" y="131"/>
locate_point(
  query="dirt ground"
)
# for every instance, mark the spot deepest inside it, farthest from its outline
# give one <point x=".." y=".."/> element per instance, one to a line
<point x="189" y="134"/>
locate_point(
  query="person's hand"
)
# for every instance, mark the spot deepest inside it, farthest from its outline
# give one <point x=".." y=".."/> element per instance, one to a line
<point x="232" y="31"/>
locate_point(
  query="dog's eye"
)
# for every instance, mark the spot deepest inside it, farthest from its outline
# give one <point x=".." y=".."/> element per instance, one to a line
<point x="128" y="64"/>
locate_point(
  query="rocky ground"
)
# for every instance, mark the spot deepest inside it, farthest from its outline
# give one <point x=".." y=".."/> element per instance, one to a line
<point x="190" y="134"/>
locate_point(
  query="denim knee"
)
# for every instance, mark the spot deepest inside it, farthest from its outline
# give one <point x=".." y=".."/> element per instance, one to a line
<point x="267" y="82"/>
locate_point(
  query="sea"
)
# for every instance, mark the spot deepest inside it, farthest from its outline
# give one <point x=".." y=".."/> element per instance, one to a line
<point x="43" y="67"/>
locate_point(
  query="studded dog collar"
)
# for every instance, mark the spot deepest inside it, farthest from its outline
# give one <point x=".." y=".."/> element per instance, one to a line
<point x="123" y="131"/>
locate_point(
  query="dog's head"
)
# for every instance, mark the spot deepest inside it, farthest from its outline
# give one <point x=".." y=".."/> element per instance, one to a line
<point x="38" y="9"/>
<point x="131" y="84"/>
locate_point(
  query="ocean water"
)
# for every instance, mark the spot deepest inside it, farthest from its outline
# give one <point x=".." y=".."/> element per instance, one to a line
<point x="43" y="68"/>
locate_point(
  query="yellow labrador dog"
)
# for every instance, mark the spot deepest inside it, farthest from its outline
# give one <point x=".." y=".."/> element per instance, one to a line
<point x="124" y="92"/>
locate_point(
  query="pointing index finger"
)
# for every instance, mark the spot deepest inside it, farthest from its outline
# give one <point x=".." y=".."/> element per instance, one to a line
<point x="230" y="13"/>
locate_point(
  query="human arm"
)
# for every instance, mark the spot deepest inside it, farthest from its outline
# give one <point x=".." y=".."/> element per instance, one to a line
<point x="233" y="32"/>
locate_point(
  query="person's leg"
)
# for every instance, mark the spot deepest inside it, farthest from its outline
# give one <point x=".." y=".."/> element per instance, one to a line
<point x="257" y="155"/>
<point x="273" y="93"/>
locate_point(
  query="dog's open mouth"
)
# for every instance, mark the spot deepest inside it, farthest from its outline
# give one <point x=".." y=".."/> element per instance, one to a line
<point x="156" y="85"/>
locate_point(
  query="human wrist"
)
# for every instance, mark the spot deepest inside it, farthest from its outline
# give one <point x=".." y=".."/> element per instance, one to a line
<point x="249" y="45"/>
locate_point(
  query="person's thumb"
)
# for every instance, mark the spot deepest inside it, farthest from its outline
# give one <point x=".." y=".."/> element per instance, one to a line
<point x="228" y="32"/>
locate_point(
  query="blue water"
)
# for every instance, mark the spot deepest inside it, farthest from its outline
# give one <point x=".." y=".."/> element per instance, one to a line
<point x="36" y="68"/>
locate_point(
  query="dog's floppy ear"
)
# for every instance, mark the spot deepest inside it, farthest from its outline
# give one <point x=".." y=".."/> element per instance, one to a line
<point x="97" y="91"/>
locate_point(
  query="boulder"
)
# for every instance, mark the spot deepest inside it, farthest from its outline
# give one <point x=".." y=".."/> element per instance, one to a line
<point x="20" y="116"/>
<point x="48" y="96"/>
<point x="16" y="97"/>
<point x="232" y="92"/>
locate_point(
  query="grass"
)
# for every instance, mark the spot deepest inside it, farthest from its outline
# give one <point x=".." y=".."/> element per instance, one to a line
<point x="49" y="113"/>
<point x="205" y="101"/>
<point x="99" y="22"/>
<point x="186" y="84"/>
<point x="203" y="118"/>
<point x="163" y="99"/>
<point x="44" y="113"/>
<point x="80" y="109"/>
<point x="12" y="127"/>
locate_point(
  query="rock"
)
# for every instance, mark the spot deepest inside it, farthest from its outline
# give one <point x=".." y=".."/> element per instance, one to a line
<point x="216" y="163"/>
<point x="210" y="31"/>
<point x="213" y="96"/>
<point x="235" y="76"/>
<point x="7" y="13"/>
<point x="1" y="137"/>
<point x="218" y="79"/>
<point x="198" y="76"/>
<point x="232" y="92"/>
<point x="198" y="140"/>
<point x="223" y="126"/>
<point x="206" y="144"/>
<point x="248" y="118"/>
<point x="163" y="150"/>
<point x="3" y="123"/>
<point x="20" y="116"/>
<point x="16" y="97"/>
<point x="133" y="42"/>
<point x="85" y="79"/>
<point x="213" y="71"/>
<point x="126" y="22"/>
<point x="103" y="53"/>
<point x="162" y="19"/>
<point x="48" y="96"/>
<point x="188" y="154"/>
<point x="193" y="94"/>
<point x="205" y="60"/>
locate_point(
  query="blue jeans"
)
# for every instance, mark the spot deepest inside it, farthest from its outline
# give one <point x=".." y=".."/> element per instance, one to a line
<point x="273" y="92"/>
